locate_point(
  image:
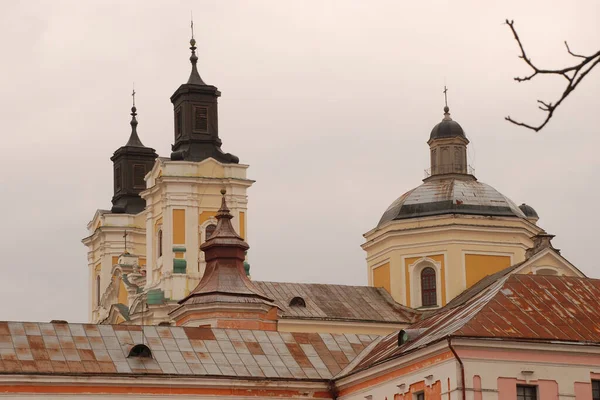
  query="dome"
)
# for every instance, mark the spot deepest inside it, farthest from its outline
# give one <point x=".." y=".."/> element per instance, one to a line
<point x="447" y="128"/>
<point x="451" y="196"/>
<point x="529" y="211"/>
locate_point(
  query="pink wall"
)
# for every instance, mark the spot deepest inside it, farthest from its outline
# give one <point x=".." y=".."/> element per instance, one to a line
<point x="477" y="388"/>
<point x="507" y="389"/>
<point x="547" y="390"/>
<point x="583" y="391"/>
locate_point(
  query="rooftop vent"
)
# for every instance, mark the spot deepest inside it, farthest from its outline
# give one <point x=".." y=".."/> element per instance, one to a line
<point x="140" y="350"/>
<point x="297" y="302"/>
<point x="407" y="335"/>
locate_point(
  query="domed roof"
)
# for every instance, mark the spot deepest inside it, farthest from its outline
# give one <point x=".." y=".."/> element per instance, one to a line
<point x="451" y="196"/>
<point x="528" y="211"/>
<point x="447" y="128"/>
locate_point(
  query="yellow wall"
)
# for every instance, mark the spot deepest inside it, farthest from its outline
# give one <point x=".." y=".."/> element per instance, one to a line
<point x="122" y="293"/>
<point x="477" y="266"/>
<point x="243" y="226"/>
<point x="115" y="260"/>
<point x="205" y="216"/>
<point x="178" y="226"/>
<point x="381" y="277"/>
<point x="439" y="258"/>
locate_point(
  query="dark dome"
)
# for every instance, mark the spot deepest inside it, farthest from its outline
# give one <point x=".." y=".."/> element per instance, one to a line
<point x="528" y="211"/>
<point x="451" y="196"/>
<point x="445" y="129"/>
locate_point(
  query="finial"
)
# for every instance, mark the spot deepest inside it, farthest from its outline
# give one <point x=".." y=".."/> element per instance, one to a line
<point x="224" y="210"/>
<point x="134" y="139"/>
<point x="194" y="76"/>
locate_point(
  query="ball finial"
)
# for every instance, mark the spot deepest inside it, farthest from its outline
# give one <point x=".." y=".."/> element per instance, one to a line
<point x="223" y="191"/>
<point x="446" y="109"/>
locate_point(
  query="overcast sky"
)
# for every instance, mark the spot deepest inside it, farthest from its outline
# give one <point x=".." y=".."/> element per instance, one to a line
<point x="329" y="102"/>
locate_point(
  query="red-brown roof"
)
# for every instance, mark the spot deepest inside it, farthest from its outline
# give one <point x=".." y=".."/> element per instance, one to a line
<point x="531" y="307"/>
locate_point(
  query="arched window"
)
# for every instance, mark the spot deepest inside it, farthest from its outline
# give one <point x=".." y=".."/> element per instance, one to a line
<point x="97" y="290"/>
<point x="546" y="271"/>
<point x="428" y="289"/>
<point x="159" y="240"/>
<point x="140" y="350"/>
<point x="210" y="229"/>
<point x="297" y="302"/>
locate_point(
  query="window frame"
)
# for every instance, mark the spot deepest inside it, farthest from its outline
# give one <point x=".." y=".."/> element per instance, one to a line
<point x="159" y="243"/>
<point x="142" y="184"/>
<point x="527" y="396"/>
<point x="97" y="290"/>
<point x="206" y="237"/>
<point x="428" y="294"/>
<point x="196" y="109"/>
<point x="595" y="389"/>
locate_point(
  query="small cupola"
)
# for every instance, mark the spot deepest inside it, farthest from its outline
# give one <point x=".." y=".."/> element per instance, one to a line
<point x="448" y="148"/>
<point x="225" y="297"/>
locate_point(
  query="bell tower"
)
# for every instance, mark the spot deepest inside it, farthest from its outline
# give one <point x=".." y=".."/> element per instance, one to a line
<point x="196" y="126"/>
<point x="130" y="165"/>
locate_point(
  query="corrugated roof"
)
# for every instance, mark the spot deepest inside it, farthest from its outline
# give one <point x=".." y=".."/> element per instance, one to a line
<point x="31" y="347"/>
<point x="532" y="307"/>
<point x="337" y="302"/>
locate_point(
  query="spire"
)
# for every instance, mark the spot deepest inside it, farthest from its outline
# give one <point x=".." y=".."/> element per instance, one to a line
<point x="195" y="78"/>
<point x="134" y="139"/>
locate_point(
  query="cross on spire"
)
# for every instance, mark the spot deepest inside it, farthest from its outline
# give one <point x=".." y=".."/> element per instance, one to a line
<point x="133" y="94"/>
<point x="446" y="95"/>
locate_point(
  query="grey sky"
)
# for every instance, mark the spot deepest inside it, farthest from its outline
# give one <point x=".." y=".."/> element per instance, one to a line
<point x="330" y="102"/>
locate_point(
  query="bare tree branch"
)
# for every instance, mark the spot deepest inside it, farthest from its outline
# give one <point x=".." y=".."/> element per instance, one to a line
<point x="573" y="74"/>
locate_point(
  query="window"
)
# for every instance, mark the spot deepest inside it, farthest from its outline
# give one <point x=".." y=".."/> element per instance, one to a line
<point x="420" y="396"/>
<point x="297" y="302"/>
<point x="159" y="242"/>
<point x="428" y="289"/>
<point x="139" y="171"/>
<point x="596" y="390"/>
<point x="526" y="392"/>
<point x="118" y="179"/>
<point x="97" y="290"/>
<point x="140" y="350"/>
<point x="210" y="229"/>
<point x="178" y="123"/>
<point x="200" y="119"/>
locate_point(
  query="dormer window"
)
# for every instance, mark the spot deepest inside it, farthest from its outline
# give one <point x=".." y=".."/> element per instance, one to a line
<point x="297" y="302"/>
<point x="200" y="119"/>
<point x="141" y="351"/>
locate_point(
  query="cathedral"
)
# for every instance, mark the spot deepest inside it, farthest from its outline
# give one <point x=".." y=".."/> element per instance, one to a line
<point x="466" y="299"/>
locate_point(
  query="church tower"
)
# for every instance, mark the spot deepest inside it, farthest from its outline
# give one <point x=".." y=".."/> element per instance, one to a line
<point x="131" y="163"/>
<point x="196" y="119"/>
<point x="164" y="209"/>
<point x="443" y="236"/>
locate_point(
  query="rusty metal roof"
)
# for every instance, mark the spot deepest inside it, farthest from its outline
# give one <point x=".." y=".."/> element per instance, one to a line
<point x="337" y="302"/>
<point x="32" y="348"/>
<point x="530" y="307"/>
<point x="451" y="196"/>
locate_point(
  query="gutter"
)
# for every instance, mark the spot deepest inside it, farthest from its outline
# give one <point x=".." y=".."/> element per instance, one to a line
<point x="462" y="368"/>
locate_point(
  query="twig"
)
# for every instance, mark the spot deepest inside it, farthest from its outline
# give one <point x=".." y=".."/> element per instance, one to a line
<point x="578" y="72"/>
